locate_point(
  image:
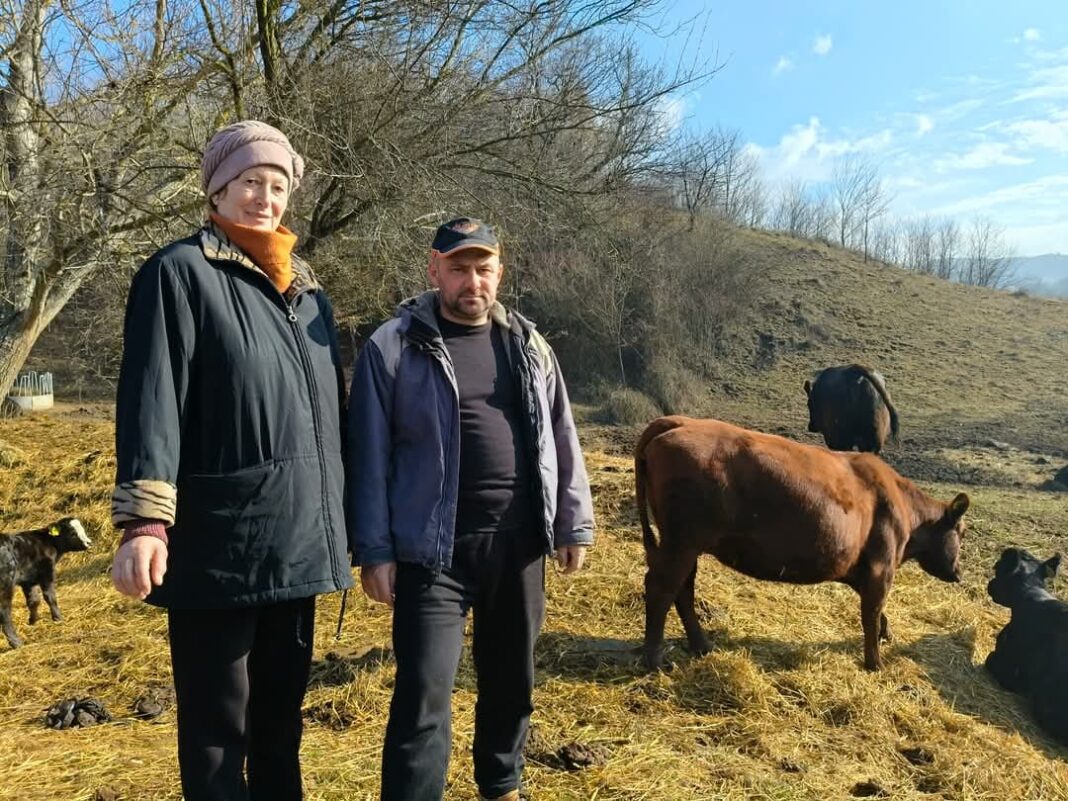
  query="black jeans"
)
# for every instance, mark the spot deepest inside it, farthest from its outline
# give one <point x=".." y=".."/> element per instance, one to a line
<point x="240" y="677"/>
<point x="502" y="578"/>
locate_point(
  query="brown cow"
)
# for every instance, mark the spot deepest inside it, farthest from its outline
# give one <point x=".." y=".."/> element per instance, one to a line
<point x="783" y="511"/>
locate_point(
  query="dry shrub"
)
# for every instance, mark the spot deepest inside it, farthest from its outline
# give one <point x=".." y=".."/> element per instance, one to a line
<point x="677" y="389"/>
<point x="628" y="407"/>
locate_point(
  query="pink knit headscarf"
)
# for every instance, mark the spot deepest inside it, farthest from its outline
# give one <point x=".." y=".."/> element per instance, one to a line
<point x="246" y="144"/>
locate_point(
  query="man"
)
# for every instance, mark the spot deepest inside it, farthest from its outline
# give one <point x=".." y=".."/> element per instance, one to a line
<point x="466" y="472"/>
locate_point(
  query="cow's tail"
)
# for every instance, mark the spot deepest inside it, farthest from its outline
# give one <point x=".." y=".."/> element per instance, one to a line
<point x="652" y="431"/>
<point x="877" y="381"/>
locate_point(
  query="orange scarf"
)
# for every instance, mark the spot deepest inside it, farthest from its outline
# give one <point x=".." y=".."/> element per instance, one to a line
<point x="271" y="251"/>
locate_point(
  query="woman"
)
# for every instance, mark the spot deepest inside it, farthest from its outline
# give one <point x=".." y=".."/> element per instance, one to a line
<point x="230" y="478"/>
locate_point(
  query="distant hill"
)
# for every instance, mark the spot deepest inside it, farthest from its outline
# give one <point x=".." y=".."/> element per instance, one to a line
<point x="963" y="363"/>
<point x="1042" y="275"/>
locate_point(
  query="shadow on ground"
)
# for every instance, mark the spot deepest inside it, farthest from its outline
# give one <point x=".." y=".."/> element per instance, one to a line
<point x="969" y="689"/>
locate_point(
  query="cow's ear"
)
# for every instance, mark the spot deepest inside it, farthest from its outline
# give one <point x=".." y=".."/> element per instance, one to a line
<point x="1050" y="566"/>
<point x="1009" y="561"/>
<point x="958" y="506"/>
<point x="808" y="387"/>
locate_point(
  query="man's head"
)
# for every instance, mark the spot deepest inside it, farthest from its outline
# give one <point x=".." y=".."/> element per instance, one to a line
<point x="465" y="266"/>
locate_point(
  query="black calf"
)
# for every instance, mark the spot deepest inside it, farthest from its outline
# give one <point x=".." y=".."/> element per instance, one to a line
<point x="28" y="560"/>
<point x="1031" y="655"/>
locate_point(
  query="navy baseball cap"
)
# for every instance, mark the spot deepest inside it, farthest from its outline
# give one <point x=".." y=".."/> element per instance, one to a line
<point x="463" y="233"/>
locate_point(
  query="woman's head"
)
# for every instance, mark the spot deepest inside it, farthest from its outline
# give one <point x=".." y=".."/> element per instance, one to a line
<point x="248" y="172"/>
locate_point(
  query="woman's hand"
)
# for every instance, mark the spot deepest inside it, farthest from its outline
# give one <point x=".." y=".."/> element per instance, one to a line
<point x="139" y="566"/>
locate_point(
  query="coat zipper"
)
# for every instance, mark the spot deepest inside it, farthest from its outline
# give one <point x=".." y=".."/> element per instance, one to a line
<point x="317" y="423"/>
<point x="445" y="362"/>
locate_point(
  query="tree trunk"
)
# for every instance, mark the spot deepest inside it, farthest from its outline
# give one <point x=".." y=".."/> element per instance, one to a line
<point x="19" y="331"/>
<point x="20" y="307"/>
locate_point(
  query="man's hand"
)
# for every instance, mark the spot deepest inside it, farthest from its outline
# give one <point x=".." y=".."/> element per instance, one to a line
<point x="378" y="580"/>
<point x="139" y="566"/>
<point x="570" y="557"/>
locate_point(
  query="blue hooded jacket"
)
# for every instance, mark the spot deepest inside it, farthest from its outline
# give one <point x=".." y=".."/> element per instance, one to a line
<point x="404" y="440"/>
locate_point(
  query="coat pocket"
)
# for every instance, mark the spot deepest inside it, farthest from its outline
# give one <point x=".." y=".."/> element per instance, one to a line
<point x="224" y="519"/>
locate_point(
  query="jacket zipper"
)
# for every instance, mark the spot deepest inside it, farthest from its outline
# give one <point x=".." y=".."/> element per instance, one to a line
<point x="539" y="429"/>
<point x="443" y="359"/>
<point x="317" y="424"/>
<point x="313" y="392"/>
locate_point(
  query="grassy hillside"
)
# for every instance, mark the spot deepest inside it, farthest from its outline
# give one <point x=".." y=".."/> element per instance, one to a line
<point x="781" y="709"/>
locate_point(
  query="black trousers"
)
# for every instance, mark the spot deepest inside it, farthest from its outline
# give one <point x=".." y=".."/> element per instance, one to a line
<point x="502" y="578"/>
<point x="240" y="677"/>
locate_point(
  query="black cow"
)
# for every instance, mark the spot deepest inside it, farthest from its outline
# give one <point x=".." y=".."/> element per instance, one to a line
<point x="1031" y="655"/>
<point x="28" y="560"/>
<point x="850" y="406"/>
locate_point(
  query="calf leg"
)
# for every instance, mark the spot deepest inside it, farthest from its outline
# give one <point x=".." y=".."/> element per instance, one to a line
<point x="1006" y="669"/>
<point x="6" y="594"/>
<point x="32" y="594"/>
<point x="49" y="588"/>
<point x="663" y="581"/>
<point x="684" y="605"/>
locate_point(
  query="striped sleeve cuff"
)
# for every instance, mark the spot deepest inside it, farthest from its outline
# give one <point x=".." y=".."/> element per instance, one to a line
<point x="146" y="499"/>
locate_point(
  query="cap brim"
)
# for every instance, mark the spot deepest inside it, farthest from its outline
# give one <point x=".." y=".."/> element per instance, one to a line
<point x="496" y="251"/>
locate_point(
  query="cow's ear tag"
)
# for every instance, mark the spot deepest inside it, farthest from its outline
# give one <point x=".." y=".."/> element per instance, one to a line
<point x="53" y="530"/>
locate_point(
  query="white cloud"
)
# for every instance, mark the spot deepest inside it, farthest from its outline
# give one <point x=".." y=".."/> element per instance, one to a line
<point x="1046" y="83"/>
<point x="962" y="108"/>
<point x="805" y="153"/>
<point x="822" y="45"/>
<point x="1036" y="240"/>
<point x="1039" y="201"/>
<point x="1031" y="35"/>
<point x="1045" y="134"/>
<point x="782" y="65"/>
<point x="981" y="156"/>
<point x="924" y="124"/>
<point x="671" y="111"/>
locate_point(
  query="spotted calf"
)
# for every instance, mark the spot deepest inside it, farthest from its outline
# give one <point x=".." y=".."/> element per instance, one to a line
<point x="28" y="560"/>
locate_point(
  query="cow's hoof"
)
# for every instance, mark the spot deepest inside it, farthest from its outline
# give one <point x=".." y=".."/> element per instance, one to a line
<point x="653" y="661"/>
<point x="700" y="648"/>
<point x="873" y="666"/>
<point x="57" y="618"/>
<point x="14" y="643"/>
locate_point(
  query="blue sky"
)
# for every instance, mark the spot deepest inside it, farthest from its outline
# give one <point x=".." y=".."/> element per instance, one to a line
<point x="963" y="106"/>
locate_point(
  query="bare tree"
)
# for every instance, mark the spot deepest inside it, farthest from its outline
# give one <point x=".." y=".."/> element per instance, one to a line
<point x="920" y="245"/>
<point x="793" y="213"/>
<point x="886" y="243"/>
<point x="401" y="108"/>
<point x="821" y="216"/>
<point x="948" y="243"/>
<point x="699" y="170"/>
<point x="987" y="260"/>
<point x="859" y="200"/>
<point x="744" y="201"/>
<point x="97" y="109"/>
<point x="873" y="204"/>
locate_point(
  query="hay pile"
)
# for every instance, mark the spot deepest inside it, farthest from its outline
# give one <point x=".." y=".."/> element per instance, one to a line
<point x="781" y="708"/>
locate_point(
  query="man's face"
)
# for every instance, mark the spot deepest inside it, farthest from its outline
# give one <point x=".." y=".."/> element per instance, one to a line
<point x="467" y="281"/>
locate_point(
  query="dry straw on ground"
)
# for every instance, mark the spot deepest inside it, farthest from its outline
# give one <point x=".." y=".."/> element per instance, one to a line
<point x="781" y="708"/>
